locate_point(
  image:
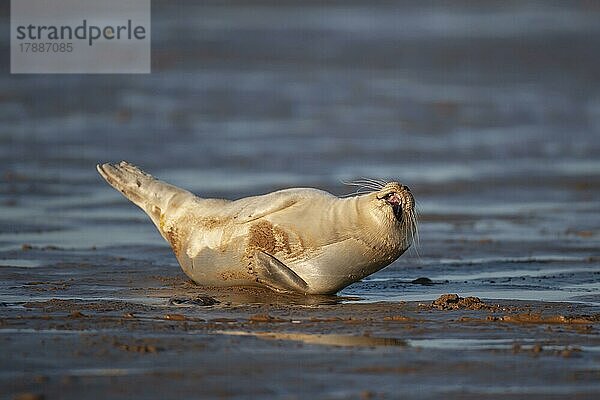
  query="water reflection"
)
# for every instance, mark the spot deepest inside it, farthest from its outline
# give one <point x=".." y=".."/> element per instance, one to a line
<point x="323" y="339"/>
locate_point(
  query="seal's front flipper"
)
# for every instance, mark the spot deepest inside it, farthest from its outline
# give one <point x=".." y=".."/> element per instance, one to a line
<point x="273" y="273"/>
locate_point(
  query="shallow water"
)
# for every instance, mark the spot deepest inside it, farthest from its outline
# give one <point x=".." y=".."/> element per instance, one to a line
<point x="490" y="113"/>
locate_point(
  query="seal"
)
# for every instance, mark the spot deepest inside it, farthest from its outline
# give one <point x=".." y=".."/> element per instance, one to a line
<point x="293" y="240"/>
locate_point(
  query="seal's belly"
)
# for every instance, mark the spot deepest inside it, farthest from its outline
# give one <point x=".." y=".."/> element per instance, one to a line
<point x="226" y="256"/>
<point x="341" y="264"/>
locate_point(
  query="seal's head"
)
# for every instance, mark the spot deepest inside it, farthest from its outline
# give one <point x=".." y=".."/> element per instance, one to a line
<point x="393" y="206"/>
<point x="396" y="198"/>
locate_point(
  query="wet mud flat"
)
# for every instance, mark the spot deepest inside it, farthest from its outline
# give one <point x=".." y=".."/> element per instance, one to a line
<point x="489" y="112"/>
<point x="248" y="343"/>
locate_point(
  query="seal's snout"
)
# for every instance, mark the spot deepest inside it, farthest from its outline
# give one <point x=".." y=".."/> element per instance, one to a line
<point x="402" y="203"/>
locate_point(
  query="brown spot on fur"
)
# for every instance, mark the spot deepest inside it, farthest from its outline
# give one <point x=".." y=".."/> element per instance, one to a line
<point x="269" y="238"/>
<point x="174" y="239"/>
<point x="261" y="237"/>
<point x="212" y="222"/>
<point x="282" y="239"/>
<point x="171" y="233"/>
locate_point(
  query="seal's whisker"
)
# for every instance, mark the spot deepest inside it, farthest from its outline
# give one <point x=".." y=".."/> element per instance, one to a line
<point x="415" y="229"/>
<point x="357" y="193"/>
<point x="417" y="205"/>
<point x="415" y="232"/>
<point x="379" y="183"/>
<point x="368" y="182"/>
<point x="368" y="189"/>
<point x="366" y="185"/>
<point x="382" y="182"/>
<point x="359" y="182"/>
<point x="371" y="188"/>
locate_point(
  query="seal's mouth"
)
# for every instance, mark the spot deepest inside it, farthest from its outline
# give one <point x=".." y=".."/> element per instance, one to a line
<point x="395" y="201"/>
<point x="401" y="202"/>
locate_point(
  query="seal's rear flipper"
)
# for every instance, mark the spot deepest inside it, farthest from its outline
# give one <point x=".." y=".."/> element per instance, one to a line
<point x="150" y="194"/>
<point x="273" y="273"/>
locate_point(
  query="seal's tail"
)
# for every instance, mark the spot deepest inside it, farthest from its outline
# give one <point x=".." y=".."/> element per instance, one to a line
<point x="150" y="194"/>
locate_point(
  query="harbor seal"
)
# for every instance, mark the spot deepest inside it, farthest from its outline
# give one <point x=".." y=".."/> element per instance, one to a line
<point x="293" y="240"/>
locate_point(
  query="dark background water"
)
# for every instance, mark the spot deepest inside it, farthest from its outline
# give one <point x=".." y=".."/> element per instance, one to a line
<point x="489" y="111"/>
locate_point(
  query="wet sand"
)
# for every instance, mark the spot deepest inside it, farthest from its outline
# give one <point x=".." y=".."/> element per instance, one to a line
<point x="244" y="343"/>
<point x="164" y="336"/>
<point x="489" y="112"/>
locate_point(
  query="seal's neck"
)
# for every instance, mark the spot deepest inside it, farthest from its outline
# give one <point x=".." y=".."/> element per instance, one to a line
<point x="363" y="221"/>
